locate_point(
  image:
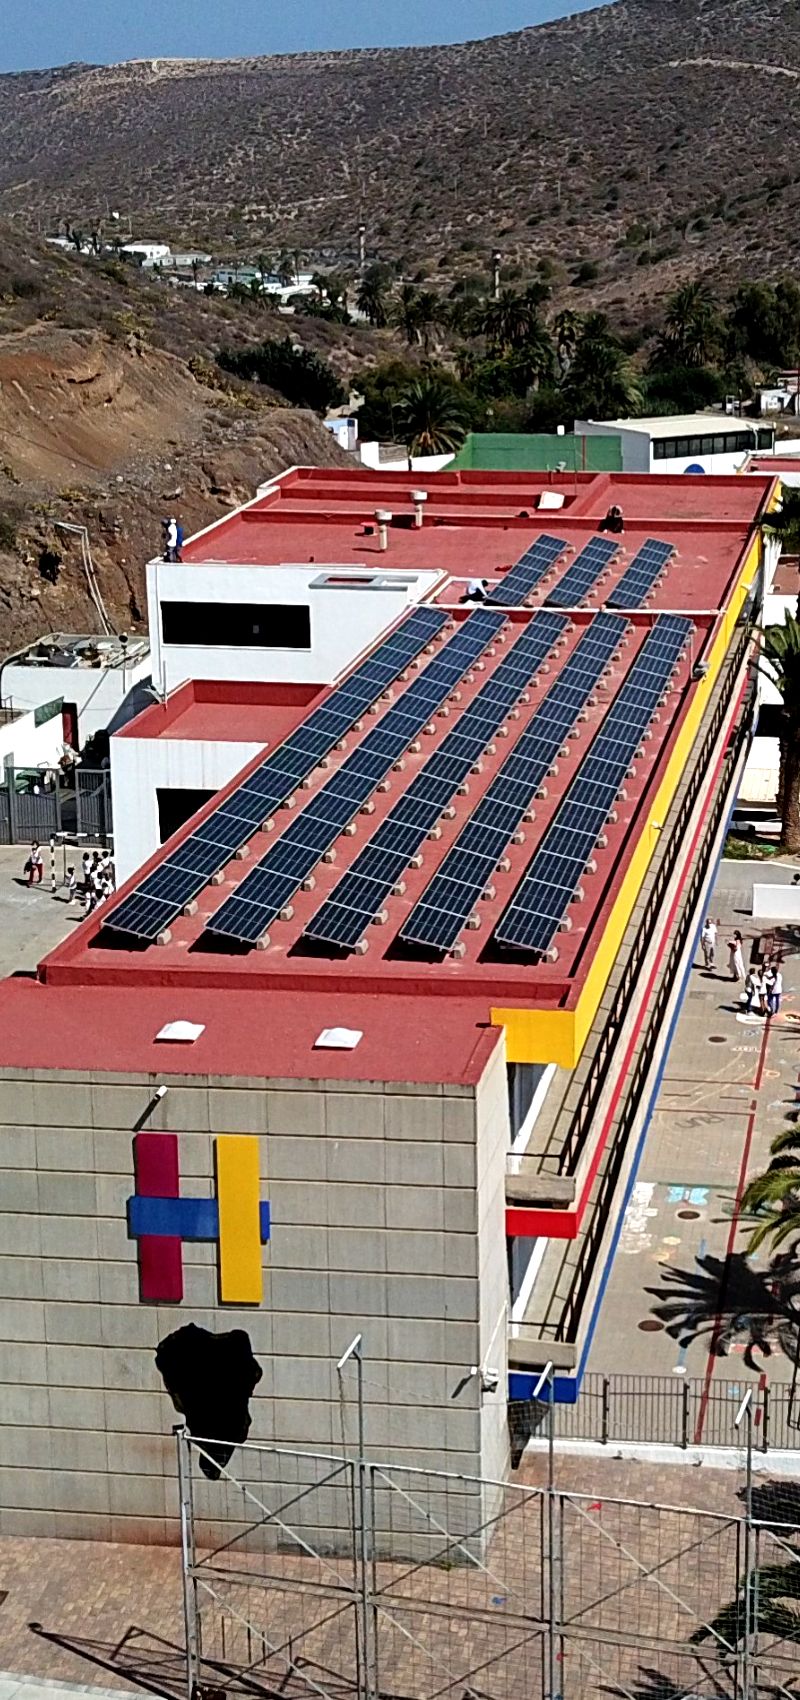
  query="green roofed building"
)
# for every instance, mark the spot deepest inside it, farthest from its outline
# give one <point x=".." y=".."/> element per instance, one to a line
<point x="516" y="451"/>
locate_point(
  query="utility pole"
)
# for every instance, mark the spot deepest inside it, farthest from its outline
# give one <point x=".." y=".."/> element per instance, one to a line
<point x="497" y="260"/>
<point x="362" y="247"/>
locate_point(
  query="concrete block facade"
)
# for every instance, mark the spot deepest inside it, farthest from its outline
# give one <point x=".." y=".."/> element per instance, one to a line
<point x="387" y="1218"/>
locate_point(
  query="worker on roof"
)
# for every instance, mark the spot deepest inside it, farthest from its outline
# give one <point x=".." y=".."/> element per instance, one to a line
<point x="614" y="520"/>
<point x="477" y="590"/>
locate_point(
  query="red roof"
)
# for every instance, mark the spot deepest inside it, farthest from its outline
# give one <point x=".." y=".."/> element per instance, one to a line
<point x="422" y="1021"/>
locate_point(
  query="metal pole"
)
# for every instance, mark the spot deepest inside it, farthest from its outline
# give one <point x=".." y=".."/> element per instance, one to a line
<point x="356" y="1350"/>
<point x="547" y="1379"/>
<point x="187" y="1565"/>
<point x="53" y="881"/>
<point x="745" y="1414"/>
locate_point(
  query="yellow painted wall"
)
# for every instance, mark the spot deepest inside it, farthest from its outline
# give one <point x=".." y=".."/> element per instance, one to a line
<point x="558" y="1036"/>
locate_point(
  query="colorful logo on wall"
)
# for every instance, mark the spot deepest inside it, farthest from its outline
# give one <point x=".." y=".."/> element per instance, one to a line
<point x="162" y="1220"/>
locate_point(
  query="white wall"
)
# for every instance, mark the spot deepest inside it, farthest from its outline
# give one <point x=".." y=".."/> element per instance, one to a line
<point x="344" y="623"/>
<point x="635" y="444"/>
<point x="371" y="456"/>
<point x="142" y="766"/>
<point x="24" y="744"/>
<point x="760" y="778"/>
<point x="106" y="696"/>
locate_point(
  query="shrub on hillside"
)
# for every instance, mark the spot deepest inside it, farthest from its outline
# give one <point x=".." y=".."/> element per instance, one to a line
<point x="302" y="377"/>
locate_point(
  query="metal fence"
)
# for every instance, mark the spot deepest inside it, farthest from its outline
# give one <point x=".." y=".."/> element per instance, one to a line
<point x="670" y="1410"/>
<point x="337" y="1578"/>
<point x="36" y="804"/>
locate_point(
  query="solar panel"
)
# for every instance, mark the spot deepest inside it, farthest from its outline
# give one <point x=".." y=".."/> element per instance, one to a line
<point x="639" y="578"/>
<point x="540" y="903"/>
<point x="527" y="572"/>
<point x="445" y="905"/>
<point x="583" y="574"/>
<point x="359" y="895"/>
<point x="270" y="886"/>
<point x="230" y="826"/>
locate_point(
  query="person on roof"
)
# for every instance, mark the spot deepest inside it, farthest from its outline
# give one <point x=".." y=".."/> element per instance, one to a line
<point x="477" y="590"/>
<point x="614" y="521"/>
<point x="171" y="542"/>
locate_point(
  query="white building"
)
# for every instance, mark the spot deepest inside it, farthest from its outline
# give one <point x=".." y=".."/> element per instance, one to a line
<point x="147" y="253"/>
<point x="94" y="681"/>
<point x="693" y="442"/>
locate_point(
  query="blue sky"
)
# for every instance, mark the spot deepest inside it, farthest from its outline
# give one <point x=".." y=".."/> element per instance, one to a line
<point x="52" y="32"/>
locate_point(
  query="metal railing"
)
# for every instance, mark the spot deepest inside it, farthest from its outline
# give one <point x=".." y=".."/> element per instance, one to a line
<point x="566" y="1328"/>
<point x="37" y="803"/>
<point x="679" y="1411"/>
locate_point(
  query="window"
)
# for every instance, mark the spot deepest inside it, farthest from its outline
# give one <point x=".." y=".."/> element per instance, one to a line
<point x="236" y="625"/>
<point x="766" y="439"/>
<point x="176" y="805"/>
<point x="523" y="1080"/>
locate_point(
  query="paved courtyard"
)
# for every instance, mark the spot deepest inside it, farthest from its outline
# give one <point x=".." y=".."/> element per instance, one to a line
<point x="32" y="920"/>
<point x="682" y="1298"/>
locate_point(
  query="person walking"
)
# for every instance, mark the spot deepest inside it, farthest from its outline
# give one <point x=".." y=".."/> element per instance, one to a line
<point x="775" y="991"/>
<point x="754" y="989"/>
<point x="34" y="867"/>
<point x="708" y="942"/>
<point x="736" y="956"/>
<point x="72" y="885"/>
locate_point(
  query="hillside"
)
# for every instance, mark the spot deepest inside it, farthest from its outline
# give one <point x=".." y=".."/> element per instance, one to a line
<point x="641" y="135"/>
<point x="112" y="413"/>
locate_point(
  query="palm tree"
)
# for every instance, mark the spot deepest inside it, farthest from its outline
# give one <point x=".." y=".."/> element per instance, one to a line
<point x="782" y="656"/>
<point x="775" y="1195"/>
<point x="507" y="322"/>
<point x="536" y="358"/>
<point x="427" y="315"/>
<point x="431" y="416"/>
<point x="567" y="327"/>
<point x="371" y="297"/>
<point x="405" y="313"/>
<point x="601" y="383"/>
<point x="285" y="269"/>
<point x="691" y="328"/>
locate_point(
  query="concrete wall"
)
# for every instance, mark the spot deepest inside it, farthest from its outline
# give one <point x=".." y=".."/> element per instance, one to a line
<point x="106" y="696"/>
<point x="635" y="445"/>
<point x="344" y="623"/>
<point x="386" y="1218"/>
<point x="140" y="767"/>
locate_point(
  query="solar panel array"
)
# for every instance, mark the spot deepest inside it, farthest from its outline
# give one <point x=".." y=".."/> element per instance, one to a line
<point x="445" y="905"/>
<point x="266" y="891"/>
<point x="639" y="578"/>
<point x="162" y="896"/>
<point x="540" y="903"/>
<point x="358" y="897"/>
<point x="527" y="572"/>
<point x="583" y="574"/>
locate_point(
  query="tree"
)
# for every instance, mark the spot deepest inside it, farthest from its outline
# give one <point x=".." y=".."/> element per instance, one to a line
<point x="405" y="313"/>
<point x="509" y="321"/>
<point x="567" y="327"/>
<point x="427" y="315"/>
<point x="601" y="383"/>
<point x="372" y="296"/>
<point x="775" y="1195"/>
<point x="691" y="327"/>
<point x="285" y="270"/>
<point x="782" y="657"/>
<point x="431" y="416"/>
<point x="302" y="377"/>
<point x="535" y="358"/>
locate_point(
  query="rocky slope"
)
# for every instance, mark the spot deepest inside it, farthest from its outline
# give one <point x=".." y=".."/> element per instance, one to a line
<point x="641" y="135"/>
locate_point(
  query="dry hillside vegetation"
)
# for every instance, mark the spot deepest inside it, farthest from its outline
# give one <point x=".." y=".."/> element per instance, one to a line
<point x="103" y="423"/>
<point x="652" y="131"/>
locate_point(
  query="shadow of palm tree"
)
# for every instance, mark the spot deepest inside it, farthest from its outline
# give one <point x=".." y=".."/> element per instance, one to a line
<point x="656" y="1685"/>
<point x="725" y="1300"/>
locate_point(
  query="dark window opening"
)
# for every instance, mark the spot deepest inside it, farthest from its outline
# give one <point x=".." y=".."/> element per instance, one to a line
<point x="523" y="1080"/>
<point x="520" y="1252"/>
<point x="177" y="805"/>
<point x="236" y="625"/>
<point x="770" y="720"/>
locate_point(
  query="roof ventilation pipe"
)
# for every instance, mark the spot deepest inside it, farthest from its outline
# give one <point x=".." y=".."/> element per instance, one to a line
<point x="419" y="498"/>
<point x="384" y="520"/>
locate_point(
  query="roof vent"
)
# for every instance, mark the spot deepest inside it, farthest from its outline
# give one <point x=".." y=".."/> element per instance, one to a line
<point x="419" y="498"/>
<point x="181" y="1032"/>
<point x="337" y="1039"/>
<point x="384" y="519"/>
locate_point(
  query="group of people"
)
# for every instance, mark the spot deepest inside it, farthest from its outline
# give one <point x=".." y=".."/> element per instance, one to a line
<point x="96" y="880"/>
<point x="763" y="983"/>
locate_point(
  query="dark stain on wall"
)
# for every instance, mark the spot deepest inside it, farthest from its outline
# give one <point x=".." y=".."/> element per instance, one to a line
<point x="210" y="1379"/>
